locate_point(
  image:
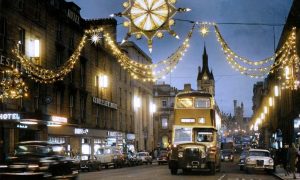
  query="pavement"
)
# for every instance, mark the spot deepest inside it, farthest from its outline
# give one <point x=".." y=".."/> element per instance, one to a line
<point x="280" y="173"/>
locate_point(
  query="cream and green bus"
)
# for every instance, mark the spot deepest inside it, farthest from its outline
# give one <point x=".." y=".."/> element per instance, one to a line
<point x="195" y="144"/>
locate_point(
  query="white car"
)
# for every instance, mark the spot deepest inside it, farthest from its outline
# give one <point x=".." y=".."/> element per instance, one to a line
<point x="259" y="159"/>
<point x="144" y="157"/>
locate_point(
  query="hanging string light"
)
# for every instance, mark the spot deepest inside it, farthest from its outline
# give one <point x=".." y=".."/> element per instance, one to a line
<point x="44" y="75"/>
<point x="12" y="85"/>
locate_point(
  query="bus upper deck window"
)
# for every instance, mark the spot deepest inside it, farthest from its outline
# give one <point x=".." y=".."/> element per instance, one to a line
<point x="184" y="103"/>
<point x="202" y="103"/>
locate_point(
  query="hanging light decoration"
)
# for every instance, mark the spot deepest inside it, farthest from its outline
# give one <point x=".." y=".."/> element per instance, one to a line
<point x="150" y="18"/>
<point x="12" y="85"/>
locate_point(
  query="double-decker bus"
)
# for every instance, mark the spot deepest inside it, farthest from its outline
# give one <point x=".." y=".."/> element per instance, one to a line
<point x="195" y="142"/>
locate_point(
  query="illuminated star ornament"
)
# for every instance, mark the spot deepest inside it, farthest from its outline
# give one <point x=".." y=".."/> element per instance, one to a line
<point x="150" y="18"/>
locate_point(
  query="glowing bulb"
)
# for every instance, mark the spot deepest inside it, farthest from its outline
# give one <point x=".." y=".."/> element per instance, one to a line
<point x="95" y="38"/>
<point x="204" y="30"/>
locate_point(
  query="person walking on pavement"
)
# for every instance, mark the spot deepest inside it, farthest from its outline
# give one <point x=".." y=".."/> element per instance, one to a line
<point x="284" y="155"/>
<point x="292" y="154"/>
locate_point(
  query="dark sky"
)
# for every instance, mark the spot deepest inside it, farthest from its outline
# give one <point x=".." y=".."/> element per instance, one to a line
<point x="254" y="42"/>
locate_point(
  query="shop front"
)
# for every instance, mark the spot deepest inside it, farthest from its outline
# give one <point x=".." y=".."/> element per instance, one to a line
<point x="116" y="139"/>
<point x="20" y="126"/>
<point x="82" y="142"/>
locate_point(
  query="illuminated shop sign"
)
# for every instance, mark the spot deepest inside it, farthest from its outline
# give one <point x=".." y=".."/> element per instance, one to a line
<point x="10" y="116"/>
<point x="105" y="103"/>
<point x="22" y="126"/>
<point x="81" y="131"/>
<point x="59" y="119"/>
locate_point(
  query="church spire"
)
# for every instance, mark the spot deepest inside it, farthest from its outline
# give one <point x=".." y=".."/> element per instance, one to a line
<point x="205" y="60"/>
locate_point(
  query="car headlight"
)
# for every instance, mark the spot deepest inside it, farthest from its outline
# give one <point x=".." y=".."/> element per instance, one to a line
<point x="271" y="161"/>
<point x="247" y="160"/>
<point x="180" y="154"/>
<point x="242" y="160"/>
<point x="31" y="166"/>
<point x="3" y="166"/>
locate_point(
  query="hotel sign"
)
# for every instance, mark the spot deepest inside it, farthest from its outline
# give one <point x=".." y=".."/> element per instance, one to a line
<point x="8" y="62"/>
<point x="10" y="116"/>
<point x="105" y="103"/>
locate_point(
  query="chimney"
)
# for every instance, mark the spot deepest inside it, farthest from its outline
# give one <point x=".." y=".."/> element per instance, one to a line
<point x="187" y="87"/>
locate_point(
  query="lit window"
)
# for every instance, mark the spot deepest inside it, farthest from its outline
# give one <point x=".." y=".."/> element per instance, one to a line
<point x="164" y="123"/>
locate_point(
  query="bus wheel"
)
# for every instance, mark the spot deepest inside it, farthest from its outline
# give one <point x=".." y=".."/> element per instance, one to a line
<point x="212" y="168"/>
<point x="173" y="171"/>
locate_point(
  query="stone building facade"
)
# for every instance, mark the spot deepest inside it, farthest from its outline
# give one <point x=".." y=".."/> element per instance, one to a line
<point x="164" y="97"/>
<point x="90" y="115"/>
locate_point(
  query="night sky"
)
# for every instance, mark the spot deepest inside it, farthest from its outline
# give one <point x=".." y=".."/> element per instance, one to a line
<point x="254" y="42"/>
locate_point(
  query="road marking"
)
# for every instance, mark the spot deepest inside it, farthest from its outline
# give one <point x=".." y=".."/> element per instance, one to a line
<point x="222" y="177"/>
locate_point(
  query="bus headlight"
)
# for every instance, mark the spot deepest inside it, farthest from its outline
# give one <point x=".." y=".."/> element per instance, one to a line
<point x="180" y="154"/>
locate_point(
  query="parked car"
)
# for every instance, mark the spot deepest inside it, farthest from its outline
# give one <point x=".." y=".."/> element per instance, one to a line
<point x="242" y="159"/>
<point x="259" y="159"/>
<point x="227" y="155"/>
<point x="144" y="157"/>
<point x="162" y="157"/>
<point x="110" y="156"/>
<point x="88" y="163"/>
<point x="38" y="160"/>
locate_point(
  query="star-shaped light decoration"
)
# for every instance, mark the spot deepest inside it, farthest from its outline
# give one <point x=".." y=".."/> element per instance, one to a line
<point x="204" y="30"/>
<point x="150" y="18"/>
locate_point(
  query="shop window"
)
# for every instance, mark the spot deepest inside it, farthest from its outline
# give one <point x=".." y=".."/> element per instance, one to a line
<point x="2" y="33"/>
<point x="164" y="123"/>
<point x="21" y="40"/>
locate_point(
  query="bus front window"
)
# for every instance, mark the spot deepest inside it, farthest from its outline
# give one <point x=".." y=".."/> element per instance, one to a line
<point x="182" y="135"/>
<point x="184" y="103"/>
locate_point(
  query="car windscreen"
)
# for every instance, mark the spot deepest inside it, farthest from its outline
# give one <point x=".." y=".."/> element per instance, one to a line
<point x="259" y="153"/>
<point x="40" y="150"/>
<point x="142" y="154"/>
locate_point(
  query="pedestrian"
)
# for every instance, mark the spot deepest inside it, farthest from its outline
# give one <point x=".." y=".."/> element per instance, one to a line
<point x="298" y="158"/>
<point x="284" y="155"/>
<point x="292" y="155"/>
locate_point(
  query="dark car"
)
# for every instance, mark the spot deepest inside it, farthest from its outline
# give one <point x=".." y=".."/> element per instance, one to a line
<point x="227" y="155"/>
<point x="162" y="157"/>
<point x="38" y="160"/>
<point x="242" y="159"/>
